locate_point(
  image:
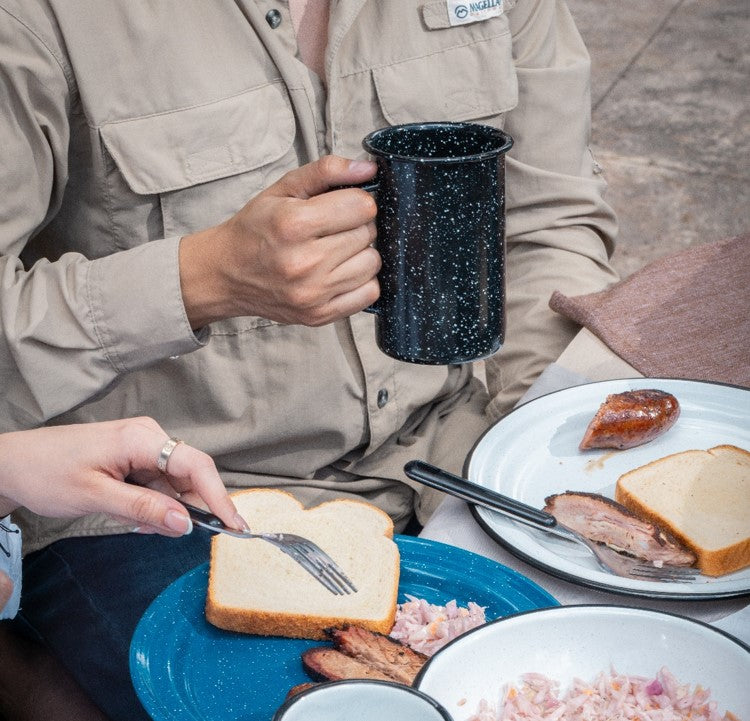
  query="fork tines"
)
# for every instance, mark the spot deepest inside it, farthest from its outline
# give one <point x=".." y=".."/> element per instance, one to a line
<point x="327" y="567"/>
<point x="315" y="561"/>
<point x="666" y="574"/>
<point x="313" y="569"/>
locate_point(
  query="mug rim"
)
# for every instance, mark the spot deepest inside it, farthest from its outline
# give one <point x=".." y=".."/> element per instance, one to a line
<point x="505" y="146"/>
<point x="281" y="711"/>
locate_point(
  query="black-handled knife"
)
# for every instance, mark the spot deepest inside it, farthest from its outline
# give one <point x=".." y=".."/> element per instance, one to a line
<point x="462" y="488"/>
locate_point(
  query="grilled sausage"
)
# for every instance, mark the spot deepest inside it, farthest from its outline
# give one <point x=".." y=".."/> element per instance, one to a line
<point x="630" y="419"/>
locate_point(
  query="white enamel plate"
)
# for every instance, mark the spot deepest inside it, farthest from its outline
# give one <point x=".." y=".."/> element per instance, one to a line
<point x="533" y="453"/>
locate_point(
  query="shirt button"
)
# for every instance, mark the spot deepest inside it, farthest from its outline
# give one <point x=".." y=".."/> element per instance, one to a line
<point x="273" y="18"/>
<point x="382" y="397"/>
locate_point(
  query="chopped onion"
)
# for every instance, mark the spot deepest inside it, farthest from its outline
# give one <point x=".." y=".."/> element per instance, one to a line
<point x="426" y="627"/>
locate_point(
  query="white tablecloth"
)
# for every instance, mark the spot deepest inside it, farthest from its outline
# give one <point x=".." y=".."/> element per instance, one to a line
<point x="453" y="523"/>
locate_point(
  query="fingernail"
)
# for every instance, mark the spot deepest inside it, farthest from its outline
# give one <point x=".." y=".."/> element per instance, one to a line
<point x="361" y="165"/>
<point x="179" y="522"/>
<point x="241" y="523"/>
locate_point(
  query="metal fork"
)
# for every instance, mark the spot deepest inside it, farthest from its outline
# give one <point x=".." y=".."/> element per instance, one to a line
<point x="310" y="556"/>
<point x="630" y="567"/>
<point x="607" y="558"/>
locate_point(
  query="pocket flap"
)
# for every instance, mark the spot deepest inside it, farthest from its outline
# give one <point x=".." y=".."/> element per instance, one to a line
<point x="177" y="149"/>
<point x="466" y="82"/>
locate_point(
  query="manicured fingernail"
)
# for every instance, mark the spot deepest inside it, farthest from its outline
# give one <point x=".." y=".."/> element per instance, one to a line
<point x="241" y="523"/>
<point x="180" y="522"/>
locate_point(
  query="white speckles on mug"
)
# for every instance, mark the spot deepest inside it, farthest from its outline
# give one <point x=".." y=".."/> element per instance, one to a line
<point x="441" y="235"/>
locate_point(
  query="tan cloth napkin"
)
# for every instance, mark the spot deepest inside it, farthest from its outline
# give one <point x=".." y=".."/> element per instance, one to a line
<point x="684" y="316"/>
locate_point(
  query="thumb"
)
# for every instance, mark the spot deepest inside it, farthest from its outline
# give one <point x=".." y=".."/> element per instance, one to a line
<point x="145" y="508"/>
<point x="323" y="175"/>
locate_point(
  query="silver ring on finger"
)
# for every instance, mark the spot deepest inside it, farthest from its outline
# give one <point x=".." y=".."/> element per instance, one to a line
<point x="166" y="453"/>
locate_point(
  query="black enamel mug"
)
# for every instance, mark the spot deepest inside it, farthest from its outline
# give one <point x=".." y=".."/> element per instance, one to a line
<point x="440" y="192"/>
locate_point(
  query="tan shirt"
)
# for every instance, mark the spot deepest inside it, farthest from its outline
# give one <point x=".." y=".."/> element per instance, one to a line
<point x="128" y="125"/>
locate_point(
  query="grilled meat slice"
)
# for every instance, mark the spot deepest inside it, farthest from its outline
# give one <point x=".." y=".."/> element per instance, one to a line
<point x="324" y="663"/>
<point x="300" y="687"/>
<point x="359" y="653"/>
<point x="630" y="419"/>
<point x="381" y="652"/>
<point x="601" y="519"/>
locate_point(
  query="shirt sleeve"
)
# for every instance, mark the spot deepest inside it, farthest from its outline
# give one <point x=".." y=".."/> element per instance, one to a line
<point x="68" y="328"/>
<point x="559" y="229"/>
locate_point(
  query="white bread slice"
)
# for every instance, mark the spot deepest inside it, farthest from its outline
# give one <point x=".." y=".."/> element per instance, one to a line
<point x="702" y="498"/>
<point x="255" y="588"/>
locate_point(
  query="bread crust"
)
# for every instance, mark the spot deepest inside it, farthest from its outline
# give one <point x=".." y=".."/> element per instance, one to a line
<point x="297" y="624"/>
<point x="711" y="561"/>
<point x="265" y="623"/>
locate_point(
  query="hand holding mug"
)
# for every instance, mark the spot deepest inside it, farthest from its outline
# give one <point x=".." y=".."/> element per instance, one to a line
<point x="296" y="253"/>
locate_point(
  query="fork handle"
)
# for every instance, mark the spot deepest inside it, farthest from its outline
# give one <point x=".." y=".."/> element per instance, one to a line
<point x="209" y="522"/>
<point x="205" y="519"/>
<point x="462" y="488"/>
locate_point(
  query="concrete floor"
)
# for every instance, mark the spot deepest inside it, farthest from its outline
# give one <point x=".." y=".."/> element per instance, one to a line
<point x="670" y="119"/>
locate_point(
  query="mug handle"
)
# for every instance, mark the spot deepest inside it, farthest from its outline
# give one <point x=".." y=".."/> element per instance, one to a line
<point x="370" y="186"/>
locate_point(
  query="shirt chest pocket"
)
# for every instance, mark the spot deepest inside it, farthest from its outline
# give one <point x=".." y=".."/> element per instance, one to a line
<point x="181" y="171"/>
<point x="476" y="82"/>
<point x="463" y="73"/>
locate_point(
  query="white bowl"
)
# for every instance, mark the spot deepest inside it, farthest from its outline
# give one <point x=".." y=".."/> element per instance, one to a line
<point x="361" y="700"/>
<point x="570" y="642"/>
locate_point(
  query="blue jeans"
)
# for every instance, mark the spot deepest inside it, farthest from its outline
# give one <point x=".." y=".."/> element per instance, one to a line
<point x="83" y="598"/>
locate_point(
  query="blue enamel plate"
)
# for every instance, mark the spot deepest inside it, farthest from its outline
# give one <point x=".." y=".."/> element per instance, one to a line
<point x="184" y="668"/>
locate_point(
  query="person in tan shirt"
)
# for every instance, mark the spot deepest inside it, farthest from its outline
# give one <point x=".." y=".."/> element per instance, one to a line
<point x="172" y="247"/>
